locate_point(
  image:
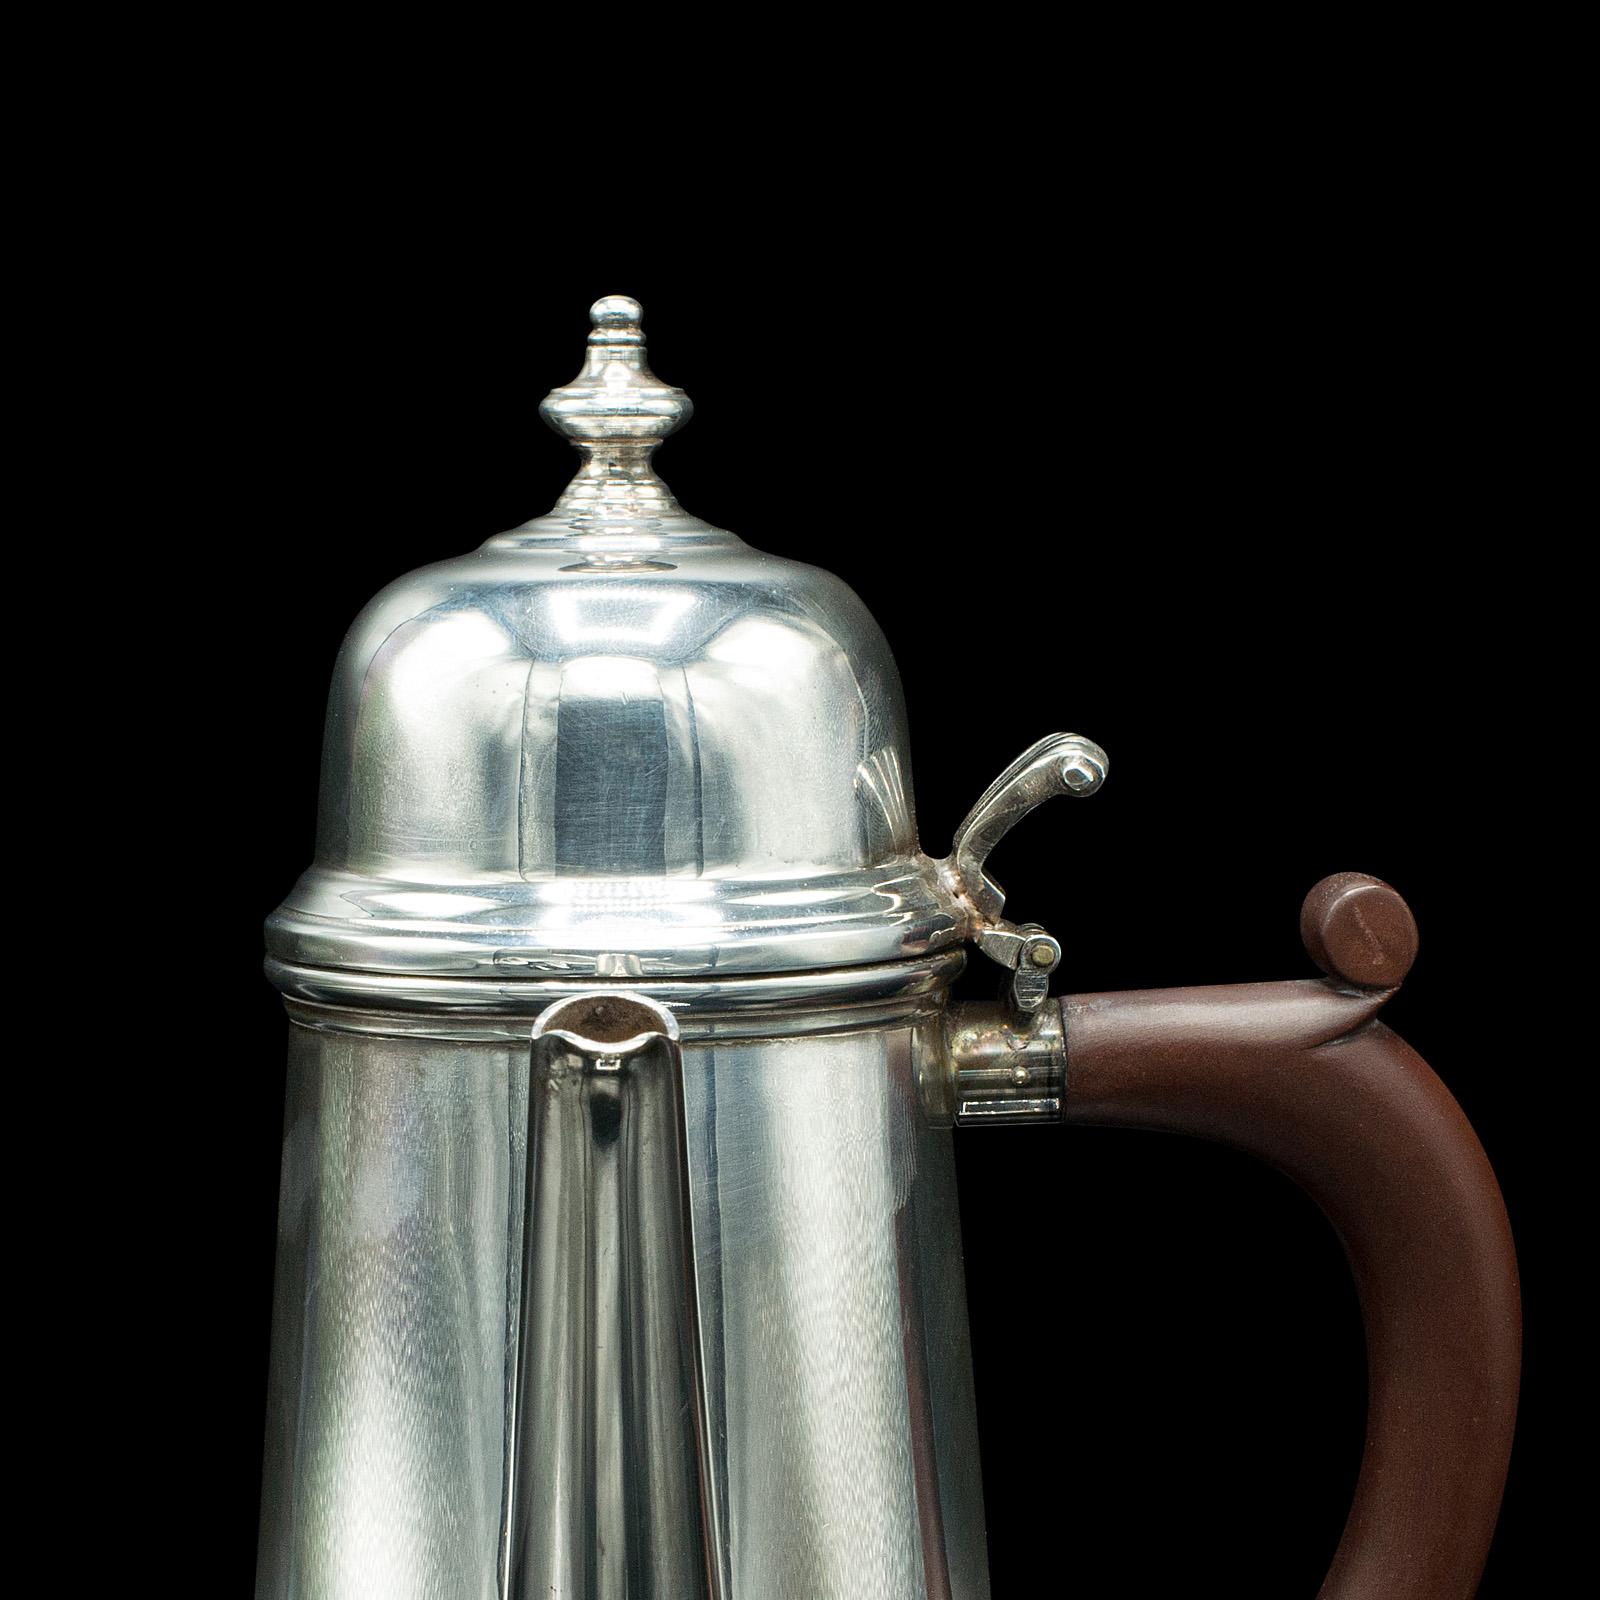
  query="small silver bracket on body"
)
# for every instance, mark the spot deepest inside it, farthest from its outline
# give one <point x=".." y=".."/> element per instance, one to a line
<point x="1060" y="764"/>
<point x="1008" y="1063"/>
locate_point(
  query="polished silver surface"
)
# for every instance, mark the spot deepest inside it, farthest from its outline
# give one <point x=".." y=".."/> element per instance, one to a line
<point x="610" y="1476"/>
<point x="395" y="1320"/>
<point x="750" y="1005"/>
<point x="686" y="1316"/>
<point x="983" y="1066"/>
<point x="615" y="742"/>
<point x="616" y="411"/>
<point x="1060" y="763"/>
<point x="843" y="1457"/>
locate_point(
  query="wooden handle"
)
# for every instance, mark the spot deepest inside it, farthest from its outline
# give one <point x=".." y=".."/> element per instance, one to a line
<point x="1302" y="1075"/>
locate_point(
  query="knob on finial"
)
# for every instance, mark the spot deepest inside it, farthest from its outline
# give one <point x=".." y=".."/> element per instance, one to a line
<point x="616" y="396"/>
<point x="617" y="311"/>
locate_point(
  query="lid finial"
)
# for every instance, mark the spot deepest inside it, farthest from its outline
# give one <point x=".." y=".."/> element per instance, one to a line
<point x="616" y="411"/>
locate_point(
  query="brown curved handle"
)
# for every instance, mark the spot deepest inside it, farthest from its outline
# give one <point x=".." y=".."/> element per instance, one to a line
<point x="1304" y="1076"/>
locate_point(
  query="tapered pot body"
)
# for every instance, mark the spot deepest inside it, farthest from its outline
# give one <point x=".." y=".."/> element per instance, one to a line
<point x="837" y="1443"/>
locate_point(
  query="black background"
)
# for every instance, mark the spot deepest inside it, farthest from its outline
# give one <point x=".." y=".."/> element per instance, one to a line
<point x="1226" y="472"/>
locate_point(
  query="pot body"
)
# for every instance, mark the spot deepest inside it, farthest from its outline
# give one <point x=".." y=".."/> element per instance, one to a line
<point x="840" y="1445"/>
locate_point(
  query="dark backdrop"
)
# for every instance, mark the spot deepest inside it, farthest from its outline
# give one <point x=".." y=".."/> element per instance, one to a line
<point x="1211" y="484"/>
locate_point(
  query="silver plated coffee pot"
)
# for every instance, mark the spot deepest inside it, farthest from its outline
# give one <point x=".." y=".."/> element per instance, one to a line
<point x="619" y="1250"/>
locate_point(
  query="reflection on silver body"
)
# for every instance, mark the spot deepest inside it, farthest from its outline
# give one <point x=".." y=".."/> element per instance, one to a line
<point x="618" y="749"/>
<point x="827" y="1258"/>
<point x="615" y="741"/>
<point x="609" y="1471"/>
<point x="394" y="1327"/>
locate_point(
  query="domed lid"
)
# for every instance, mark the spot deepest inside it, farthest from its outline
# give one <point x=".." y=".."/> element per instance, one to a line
<point x="615" y="741"/>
